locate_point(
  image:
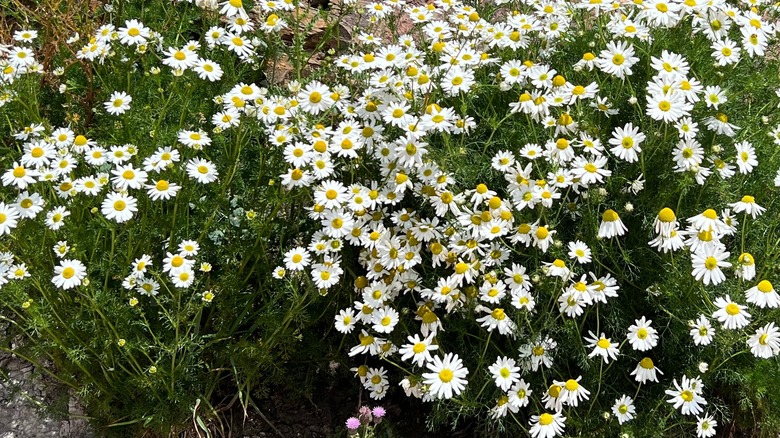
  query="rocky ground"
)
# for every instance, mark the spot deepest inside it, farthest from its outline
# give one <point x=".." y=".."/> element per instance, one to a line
<point x="31" y="406"/>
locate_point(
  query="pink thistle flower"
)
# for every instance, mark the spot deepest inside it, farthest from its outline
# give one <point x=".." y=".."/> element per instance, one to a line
<point x="378" y="412"/>
<point x="353" y="423"/>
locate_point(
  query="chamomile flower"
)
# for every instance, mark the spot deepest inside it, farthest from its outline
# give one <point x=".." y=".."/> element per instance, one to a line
<point x="765" y="343"/>
<point x="183" y="278"/>
<point x="128" y="177"/>
<point x="642" y="336"/>
<point x="9" y="218"/>
<point x="202" y="171"/>
<point x="207" y="70"/>
<point x="624" y="409"/>
<point x="732" y="315"/>
<point x="720" y="125"/>
<point x="61" y="249"/>
<point x="192" y="139"/>
<point x="746" y="270"/>
<point x="725" y="52"/>
<point x="617" y="59"/>
<point x="69" y="274"/>
<point x="705" y="426"/>
<point x="418" y="349"/>
<point x="748" y="205"/>
<point x="702" y="331"/>
<point x="141" y="264"/>
<point x="29" y="205"/>
<point x="646" y="371"/>
<point x="707" y="263"/>
<point x="602" y="346"/>
<point x="611" y="225"/>
<point x="179" y="59"/>
<point x="345" y="321"/>
<point x="686" y="397"/>
<point x="579" y="251"/>
<point x="505" y="372"/>
<point x="55" y="218"/>
<point x="189" y="248"/>
<point x="708" y="221"/>
<point x="447" y="377"/>
<point x="626" y="142"/>
<point x="519" y="394"/>
<point x="133" y="33"/>
<point x="279" y="273"/>
<point x="20" y="176"/>
<point x="572" y="392"/>
<point x="547" y="425"/>
<point x="297" y="259"/>
<point x="763" y="295"/>
<point x="315" y="98"/>
<point x="746" y="157"/>
<point x="176" y="262"/>
<point x="162" y="190"/>
<point x="384" y="320"/>
<point x="119" y="207"/>
<point x="498" y="319"/>
<point x="714" y="96"/>
<point x="669" y="107"/>
<point x="118" y="103"/>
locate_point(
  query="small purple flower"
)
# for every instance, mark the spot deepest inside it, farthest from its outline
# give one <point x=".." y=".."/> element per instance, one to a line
<point x="364" y="414"/>
<point x="378" y="412"/>
<point x="353" y="423"/>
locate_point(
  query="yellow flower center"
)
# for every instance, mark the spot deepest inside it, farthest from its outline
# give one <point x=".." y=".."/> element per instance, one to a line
<point x="710" y="214"/>
<point x="666" y="215"/>
<point x="765" y="286"/>
<point x="445" y="375"/>
<point x="732" y="309"/>
<point x="610" y="216"/>
<point x="119" y="205"/>
<point x="68" y="272"/>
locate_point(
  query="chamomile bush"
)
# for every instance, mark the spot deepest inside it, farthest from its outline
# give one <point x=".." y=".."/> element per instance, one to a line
<point x="543" y="217"/>
<point x="140" y="214"/>
<point x="562" y="214"/>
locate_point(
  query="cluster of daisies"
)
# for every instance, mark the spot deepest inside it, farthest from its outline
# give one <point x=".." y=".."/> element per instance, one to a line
<point x="120" y="179"/>
<point x="454" y="254"/>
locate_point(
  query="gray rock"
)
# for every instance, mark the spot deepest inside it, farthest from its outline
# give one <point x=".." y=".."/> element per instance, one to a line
<point x="25" y="394"/>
